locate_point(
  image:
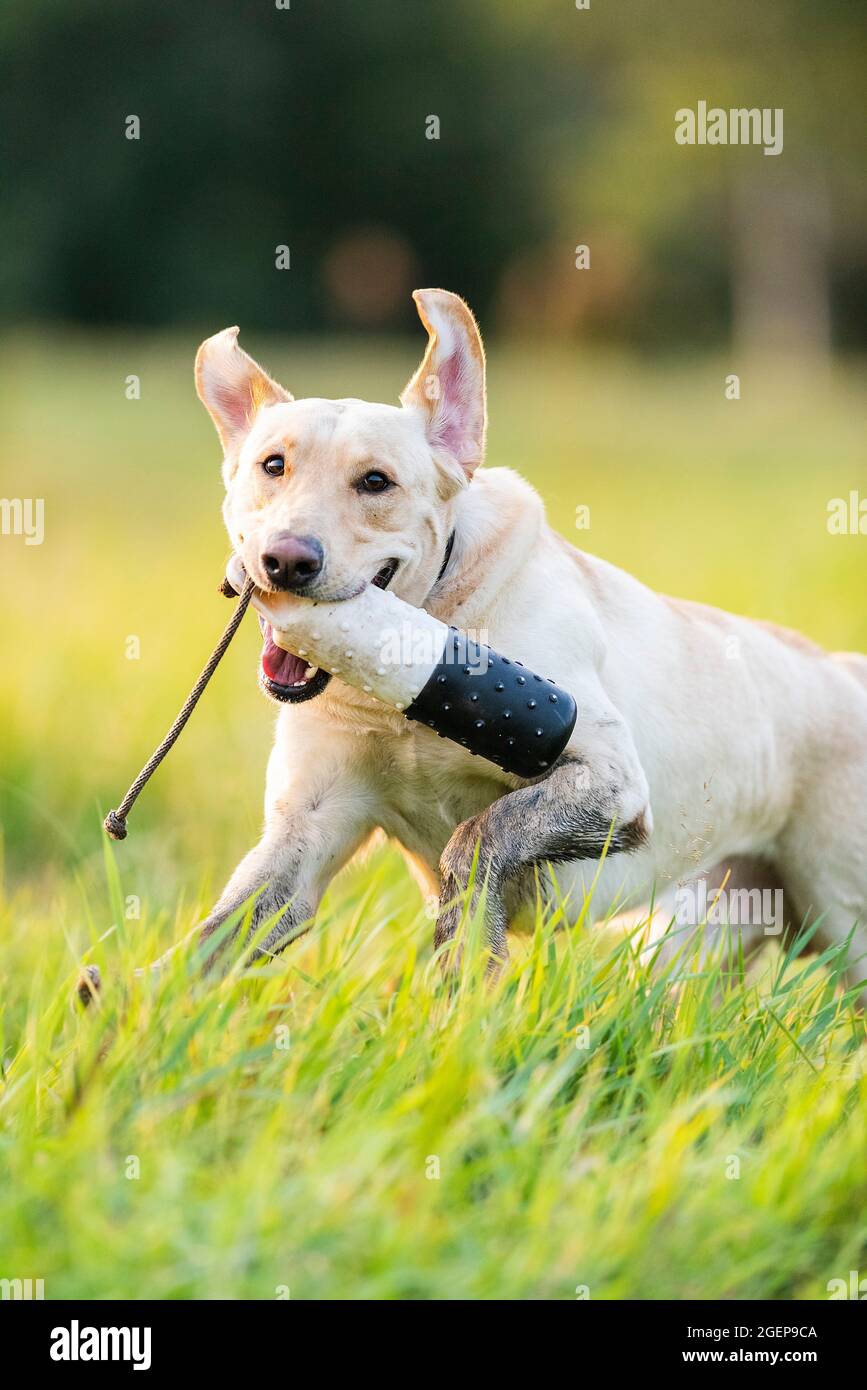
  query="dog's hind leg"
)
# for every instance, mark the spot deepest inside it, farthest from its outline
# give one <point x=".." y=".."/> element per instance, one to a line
<point x="823" y="849"/>
<point x="727" y="912"/>
<point x="826" y="876"/>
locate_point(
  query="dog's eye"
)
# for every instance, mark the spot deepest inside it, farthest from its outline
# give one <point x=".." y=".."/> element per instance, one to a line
<point x="374" y="481"/>
<point x="274" y="465"/>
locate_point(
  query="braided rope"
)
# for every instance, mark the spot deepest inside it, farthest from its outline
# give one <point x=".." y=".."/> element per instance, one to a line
<point x="115" y="821"/>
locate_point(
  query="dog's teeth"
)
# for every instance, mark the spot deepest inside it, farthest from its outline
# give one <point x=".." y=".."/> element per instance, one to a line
<point x="310" y="672"/>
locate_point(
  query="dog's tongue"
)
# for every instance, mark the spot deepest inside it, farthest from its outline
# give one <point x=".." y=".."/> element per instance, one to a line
<point x="285" y="668"/>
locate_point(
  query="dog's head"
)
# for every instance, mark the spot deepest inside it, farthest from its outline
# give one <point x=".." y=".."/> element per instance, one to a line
<point x="323" y="497"/>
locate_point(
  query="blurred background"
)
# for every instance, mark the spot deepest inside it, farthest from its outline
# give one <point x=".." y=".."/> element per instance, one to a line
<point x="299" y="171"/>
<point x="307" y="127"/>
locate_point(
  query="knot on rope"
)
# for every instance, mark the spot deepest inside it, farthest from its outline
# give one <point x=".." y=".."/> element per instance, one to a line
<point x="115" y="826"/>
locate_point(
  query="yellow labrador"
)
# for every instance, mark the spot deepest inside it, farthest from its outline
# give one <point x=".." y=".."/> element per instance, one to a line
<point x="682" y="760"/>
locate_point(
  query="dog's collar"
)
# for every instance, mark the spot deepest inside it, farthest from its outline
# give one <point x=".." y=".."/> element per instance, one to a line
<point x="448" y="555"/>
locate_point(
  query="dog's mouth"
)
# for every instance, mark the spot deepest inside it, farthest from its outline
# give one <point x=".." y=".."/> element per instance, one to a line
<point x="285" y="676"/>
<point x="290" y="678"/>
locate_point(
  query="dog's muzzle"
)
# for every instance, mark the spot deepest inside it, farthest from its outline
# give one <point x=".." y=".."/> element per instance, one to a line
<point x="289" y="678"/>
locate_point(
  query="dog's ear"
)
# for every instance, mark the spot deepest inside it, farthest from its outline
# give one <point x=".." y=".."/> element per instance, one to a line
<point x="449" y="386"/>
<point x="232" y="387"/>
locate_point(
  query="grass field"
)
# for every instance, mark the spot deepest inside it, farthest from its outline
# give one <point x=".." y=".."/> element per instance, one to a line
<point x="337" y="1124"/>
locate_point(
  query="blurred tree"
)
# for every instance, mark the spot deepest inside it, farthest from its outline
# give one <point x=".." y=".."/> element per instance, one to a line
<point x="308" y="127"/>
<point x="259" y="127"/>
<point x="701" y="237"/>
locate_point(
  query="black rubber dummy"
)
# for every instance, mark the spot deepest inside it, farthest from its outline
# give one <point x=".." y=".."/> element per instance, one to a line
<point x="495" y="707"/>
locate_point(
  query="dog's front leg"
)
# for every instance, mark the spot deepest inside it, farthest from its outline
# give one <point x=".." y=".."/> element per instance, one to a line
<point x="316" y="818"/>
<point x="591" y="800"/>
<point x="267" y="884"/>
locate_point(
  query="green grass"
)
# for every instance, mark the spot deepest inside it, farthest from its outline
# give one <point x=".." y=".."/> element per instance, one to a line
<point x="341" y="1124"/>
<point x="302" y="1158"/>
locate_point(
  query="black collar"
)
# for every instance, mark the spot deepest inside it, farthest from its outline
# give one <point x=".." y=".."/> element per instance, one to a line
<point x="448" y="555"/>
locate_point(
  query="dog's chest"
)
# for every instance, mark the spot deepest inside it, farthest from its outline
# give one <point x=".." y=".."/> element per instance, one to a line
<point x="428" y="787"/>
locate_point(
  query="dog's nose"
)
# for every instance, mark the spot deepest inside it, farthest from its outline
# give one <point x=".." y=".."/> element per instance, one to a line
<point x="292" y="562"/>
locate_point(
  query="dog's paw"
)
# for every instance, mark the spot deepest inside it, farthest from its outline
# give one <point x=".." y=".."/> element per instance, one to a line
<point x="89" y="985"/>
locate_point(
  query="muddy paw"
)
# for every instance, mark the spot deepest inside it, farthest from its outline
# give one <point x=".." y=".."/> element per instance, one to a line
<point x="89" y="985"/>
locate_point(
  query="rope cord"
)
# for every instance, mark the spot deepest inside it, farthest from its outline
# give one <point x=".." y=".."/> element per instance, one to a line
<point x="115" y="821"/>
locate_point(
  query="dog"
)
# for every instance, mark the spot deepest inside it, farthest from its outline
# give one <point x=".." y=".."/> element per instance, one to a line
<point x="706" y="746"/>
